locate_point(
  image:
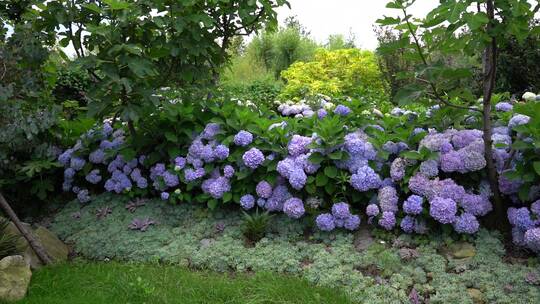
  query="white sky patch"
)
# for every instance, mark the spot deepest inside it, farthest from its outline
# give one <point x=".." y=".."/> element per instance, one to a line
<point x="323" y="18"/>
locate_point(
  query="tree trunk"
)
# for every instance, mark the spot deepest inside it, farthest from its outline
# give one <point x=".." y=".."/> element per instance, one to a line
<point x="490" y="70"/>
<point x="34" y="244"/>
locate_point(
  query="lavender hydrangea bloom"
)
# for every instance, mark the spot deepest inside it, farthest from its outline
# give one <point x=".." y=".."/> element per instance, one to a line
<point x="264" y="189"/>
<point x="69" y="173"/>
<point x="466" y="223"/>
<point x="372" y="210"/>
<point x="65" y="157"/>
<point x="452" y="162"/>
<point x="298" y="179"/>
<point x="170" y="179"/>
<point x="165" y="196"/>
<point x="298" y="145"/>
<point x="508" y="186"/>
<point x="228" y="171"/>
<point x="532" y="239"/>
<point x="407" y="224"/>
<point x="253" y="158"/>
<point x="341" y="210"/>
<point x="216" y="187"/>
<point x="518" y="236"/>
<point x="419" y="184"/>
<point x="83" y="196"/>
<point x="191" y="175"/>
<point x="106" y="145"/>
<point x="397" y="169"/>
<point x="475" y="204"/>
<point x="352" y="222"/>
<point x="93" y="177"/>
<point x="387" y="220"/>
<point x="504" y="107"/>
<point x="520" y="218"/>
<point x="210" y="131"/>
<point x="221" y="152"/>
<point x="243" y="138"/>
<point x="365" y="179"/>
<point x="443" y="210"/>
<point x="321" y="113"/>
<point x="179" y="163"/>
<point x="413" y="205"/>
<point x="77" y="163"/>
<point x="342" y="110"/>
<point x="518" y="120"/>
<point x="247" y="201"/>
<point x="463" y="138"/>
<point x="207" y="153"/>
<point x="325" y="222"/>
<point x="388" y="199"/>
<point x="535" y="208"/>
<point x="97" y="157"/>
<point x="294" y="208"/>
<point x="429" y="168"/>
<point x="261" y="202"/>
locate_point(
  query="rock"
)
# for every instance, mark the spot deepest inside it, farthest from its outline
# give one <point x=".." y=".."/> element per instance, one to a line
<point x="56" y="249"/>
<point x="15" y="276"/>
<point x="476" y="295"/>
<point x="206" y="242"/>
<point x="462" y="250"/>
<point x="532" y="278"/>
<point x="407" y="254"/>
<point x="362" y="239"/>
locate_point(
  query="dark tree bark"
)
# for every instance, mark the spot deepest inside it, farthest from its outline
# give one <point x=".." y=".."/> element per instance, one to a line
<point x="33" y="242"/>
<point x="490" y="73"/>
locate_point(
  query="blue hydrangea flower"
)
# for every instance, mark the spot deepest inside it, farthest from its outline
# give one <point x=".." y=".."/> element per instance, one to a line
<point x="365" y="179"/>
<point x="65" y="157"/>
<point x="216" y="187"/>
<point x="342" y="110"/>
<point x="179" y="163"/>
<point x="192" y="175"/>
<point x="466" y="223"/>
<point x="299" y="145"/>
<point x="443" y="210"/>
<point x="325" y="222"/>
<point x="221" y="152"/>
<point x="294" y="208"/>
<point x="341" y="210"/>
<point x="261" y="202"/>
<point x="210" y="131"/>
<point x="83" y="196"/>
<point x="388" y="199"/>
<point x="247" y="201"/>
<point x="532" y="239"/>
<point x="253" y="158"/>
<point x="407" y="224"/>
<point x="77" y="163"/>
<point x="429" y="168"/>
<point x="387" y="220"/>
<point x="228" y="171"/>
<point x="518" y="120"/>
<point x="93" y="177"/>
<point x="504" y="107"/>
<point x="372" y="210"/>
<point x="165" y="196"/>
<point x="397" y="169"/>
<point x="264" y="189"/>
<point x="321" y="113"/>
<point x="475" y="204"/>
<point x="352" y="222"/>
<point x="97" y="157"/>
<point x="298" y="179"/>
<point x="243" y="138"/>
<point x="520" y="218"/>
<point x="413" y="205"/>
<point x="69" y="173"/>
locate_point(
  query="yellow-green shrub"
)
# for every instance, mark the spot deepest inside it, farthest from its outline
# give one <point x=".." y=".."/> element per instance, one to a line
<point x="346" y="72"/>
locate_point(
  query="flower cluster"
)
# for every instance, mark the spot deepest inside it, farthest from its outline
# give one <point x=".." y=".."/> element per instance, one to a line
<point x="340" y="217"/>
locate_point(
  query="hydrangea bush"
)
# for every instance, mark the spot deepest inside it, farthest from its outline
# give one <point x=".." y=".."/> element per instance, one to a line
<point x="332" y="168"/>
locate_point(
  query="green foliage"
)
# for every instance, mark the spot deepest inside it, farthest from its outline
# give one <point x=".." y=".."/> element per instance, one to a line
<point x="256" y="225"/>
<point x="185" y="235"/>
<point x="346" y="72"/>
<point x="152" y="283"/>
<point x="8" y="242"/>
<point x="131" y="48"/>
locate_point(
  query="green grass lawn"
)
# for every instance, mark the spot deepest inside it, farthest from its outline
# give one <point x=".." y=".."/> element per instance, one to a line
<point x="107" y="283"/>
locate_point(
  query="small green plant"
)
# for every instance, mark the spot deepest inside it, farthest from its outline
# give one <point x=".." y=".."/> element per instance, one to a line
<point x="8" y="242"/>
<point x="255" y="225"/>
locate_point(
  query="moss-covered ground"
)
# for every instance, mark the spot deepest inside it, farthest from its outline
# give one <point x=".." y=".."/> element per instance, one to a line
<point x="368" y="266"/>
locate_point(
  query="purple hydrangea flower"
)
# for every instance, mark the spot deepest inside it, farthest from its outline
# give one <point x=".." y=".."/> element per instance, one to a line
<point x="429" y="168"/>
<point x="69" y="173"/>
<point x="397" y="169"/>
<point x="106" y="145"/>
<point x="83" y="196"/>
<point x="321" y="113"/>
<point x="372" y="210"/>
<point x="107" y="129"/>
<point x="210" y="131"/>
<point x="365" y="179"/>
<point x="443" y="210"/>
<point x="294" y="208"/>
<point x="387" y="220"/>
<point x="264" y="189"/>
<point x="261" y="202"/>
<point x="509" y="186"/>
<point x="77" y="163"/>
<point x="466" y="223"/>
<point x="93" y="177"/>
<point x="475" y="204"/>
<point x="228" y="171"/>
<point x="299" y="145"/>
<point x="170" y="179"/>
<point x="97" y="157"/>
<point x="243" y="138"/>
<point x="65" y="157"/>
<point x="298" y="179"/>
<point x="413" y="205"/>
<point x="179" y="163"/>
<point x="165" y="196"/>
<point x="504" y="107"/>
<point x="388" y="199"/>
<point x="253" y="158"/>
<point x="520" y="218"/>
<point x="535" y="208"/>
<point x="221" y="152"/>
<point x="419" y="184"/>
<point x="518" y="120"/>
<point x="518" y="236"/>
<point x="247" y="201"/>
<point x="325" y="222"/>
<point x="532" y="239"/>
<point x="192" y="175"/>
<point x="341" y="210"/>
<point x="217" y="186"/>
<point x="407" y="224"/>
<point x="342" y="110"/>
<point x="352" y="222"/>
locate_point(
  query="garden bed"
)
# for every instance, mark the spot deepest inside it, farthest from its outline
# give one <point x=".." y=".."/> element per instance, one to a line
<point x="369" y="265"/>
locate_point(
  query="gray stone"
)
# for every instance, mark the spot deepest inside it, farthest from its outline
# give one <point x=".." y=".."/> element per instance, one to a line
<point x="408" y="254"/>
<point x="15" y="277"/>
<point x="206" y="243"/>
<point x="462" y="250"/>
<point x="362" y="239"/>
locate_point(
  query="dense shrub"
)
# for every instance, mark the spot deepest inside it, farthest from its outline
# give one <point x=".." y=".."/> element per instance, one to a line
<point x="346" y="72"/>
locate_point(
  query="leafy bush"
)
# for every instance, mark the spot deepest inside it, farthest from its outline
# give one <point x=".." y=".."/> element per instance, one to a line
<point x="347" y="72"/>
<point x="256" y="225"/>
